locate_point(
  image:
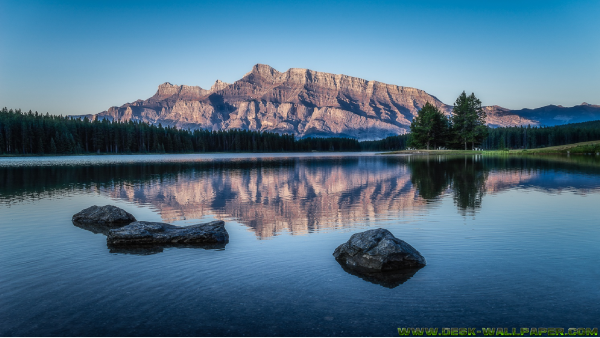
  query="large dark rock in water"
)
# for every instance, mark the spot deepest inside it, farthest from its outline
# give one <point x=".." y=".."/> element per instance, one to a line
<point x="378" y="250"/>
<point x="106" y="215"/>
<point x="145" y="233"/>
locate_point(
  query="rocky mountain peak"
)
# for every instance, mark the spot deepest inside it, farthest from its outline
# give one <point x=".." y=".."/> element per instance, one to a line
<point x="166" y="90"/>
<point x="308" y="103"/>
<point x="265" y="71"/>
<point x="218" y="85"/>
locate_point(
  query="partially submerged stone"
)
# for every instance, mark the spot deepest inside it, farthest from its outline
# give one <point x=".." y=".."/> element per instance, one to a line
<point x="378" y="250"/>
<point x="106" y="215"/>
<point x="145" y="233"/>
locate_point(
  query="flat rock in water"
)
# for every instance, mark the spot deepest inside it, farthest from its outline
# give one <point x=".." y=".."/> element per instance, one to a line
<point x="144" y="233"/>
<point x="108" y="215"/>
<point x="378" y="250"/>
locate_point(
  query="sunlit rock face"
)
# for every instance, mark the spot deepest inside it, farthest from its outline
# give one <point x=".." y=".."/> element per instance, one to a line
<point x="502" y="117"/>
<point x="305" y="103"/>
<point x="299" y="101"/>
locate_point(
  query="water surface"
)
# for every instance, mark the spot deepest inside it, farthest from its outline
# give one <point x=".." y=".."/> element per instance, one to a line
<point x="510" y="242"/>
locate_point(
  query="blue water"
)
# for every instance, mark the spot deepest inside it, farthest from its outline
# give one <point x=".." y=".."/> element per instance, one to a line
<point x="508" y="242"/>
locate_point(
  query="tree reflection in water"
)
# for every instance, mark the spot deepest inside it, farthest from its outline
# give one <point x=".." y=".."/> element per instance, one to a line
<point x="465" y="177"/>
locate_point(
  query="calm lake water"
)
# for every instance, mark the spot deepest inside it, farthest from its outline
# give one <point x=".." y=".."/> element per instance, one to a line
<point x="509" y="242"/>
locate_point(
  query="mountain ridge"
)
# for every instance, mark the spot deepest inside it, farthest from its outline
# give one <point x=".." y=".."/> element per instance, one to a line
<point x="301" y="102"/>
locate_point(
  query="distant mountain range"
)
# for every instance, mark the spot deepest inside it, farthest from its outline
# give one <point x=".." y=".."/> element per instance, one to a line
<point x="309" y="103"/>
<point x="544" y="116"/>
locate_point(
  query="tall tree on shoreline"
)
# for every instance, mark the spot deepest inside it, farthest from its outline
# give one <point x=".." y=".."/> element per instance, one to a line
<point x="468" y="120"/>
<point x="429" y="127"/>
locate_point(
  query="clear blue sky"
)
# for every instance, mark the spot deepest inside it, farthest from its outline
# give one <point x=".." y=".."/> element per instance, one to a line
<point x="80" y="57"/>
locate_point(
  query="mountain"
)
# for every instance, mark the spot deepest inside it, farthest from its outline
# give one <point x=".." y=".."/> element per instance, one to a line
<point x="550" y="115"/>
<point x="299" y="101"/>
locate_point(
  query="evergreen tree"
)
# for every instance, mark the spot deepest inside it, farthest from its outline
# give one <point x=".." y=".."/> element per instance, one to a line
<point x="52" y="146"/>
<point x="29" y="133"/>
<point x="468" y="120"/>
<point x="40" y="146"/>
<point x="429" y="127"/>
<point x="389" y="143"/>
<point x="2" y="149"/>
<point x="535" y="137"/>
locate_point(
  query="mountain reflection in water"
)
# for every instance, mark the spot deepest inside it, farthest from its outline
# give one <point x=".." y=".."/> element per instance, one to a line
<point x="296" y="196"/>
<point x="301" y="195"/>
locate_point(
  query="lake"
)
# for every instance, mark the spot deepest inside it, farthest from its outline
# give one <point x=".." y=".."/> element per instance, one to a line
<point x="509" y="242"/>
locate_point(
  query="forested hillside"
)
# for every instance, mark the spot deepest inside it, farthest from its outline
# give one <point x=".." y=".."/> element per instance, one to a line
<point x="36" y="134"/>
<point x="390" y="143"/>
<point x="33" y="133"/>
<point x="536" y="137"/>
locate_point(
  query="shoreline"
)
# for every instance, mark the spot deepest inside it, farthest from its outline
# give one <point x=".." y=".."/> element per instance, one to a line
<point x="581" y="148"/>
<point x="198" y="153"/>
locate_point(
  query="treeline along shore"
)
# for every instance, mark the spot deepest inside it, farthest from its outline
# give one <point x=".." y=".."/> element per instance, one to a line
<point x="38" y="134"/>
<point x="541" y="137"/>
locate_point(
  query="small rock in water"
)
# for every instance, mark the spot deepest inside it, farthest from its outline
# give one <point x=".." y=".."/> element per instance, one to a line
<point x="143" y="233"/>
<point x="108" y="214"/>
<point x="378" y="250"/>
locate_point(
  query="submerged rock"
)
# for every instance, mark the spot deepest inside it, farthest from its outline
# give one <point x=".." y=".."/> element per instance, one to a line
<point x="98" y="228"/>
<point x="108" y="215"/>
<point x="377" y="250"/>
<point x="388" y="279"/>
<point x="151" y="249"/>
<point x="144" y="233"/>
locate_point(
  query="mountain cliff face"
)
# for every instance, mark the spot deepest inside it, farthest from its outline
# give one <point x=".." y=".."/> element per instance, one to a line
<point x="299" y="101"/>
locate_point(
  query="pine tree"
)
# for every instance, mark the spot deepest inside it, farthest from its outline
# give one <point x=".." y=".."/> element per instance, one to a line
<point x="468" y="120"/>
<point x="2" y="148"/>
<point x="52" y="146"/>
<point x="40" y="146"/>
<point x="429" y="127"/>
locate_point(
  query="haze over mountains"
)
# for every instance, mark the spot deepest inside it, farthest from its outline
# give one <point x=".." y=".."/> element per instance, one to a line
<point x="309" y="103"/>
